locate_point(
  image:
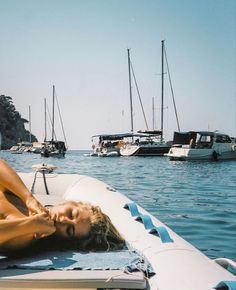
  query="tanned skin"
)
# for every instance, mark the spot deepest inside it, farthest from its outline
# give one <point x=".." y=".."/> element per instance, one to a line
<point x="22" y="218"/>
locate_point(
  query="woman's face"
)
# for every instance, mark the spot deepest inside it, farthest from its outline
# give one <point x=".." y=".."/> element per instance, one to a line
<point x="71" y="221"/>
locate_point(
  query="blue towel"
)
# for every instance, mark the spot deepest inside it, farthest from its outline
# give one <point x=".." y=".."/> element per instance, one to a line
<point x="70" y="260"/>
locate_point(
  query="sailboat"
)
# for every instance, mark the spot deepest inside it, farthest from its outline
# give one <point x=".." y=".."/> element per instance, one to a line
<point x="148" y="142"/>
<point x="53" y="148"/>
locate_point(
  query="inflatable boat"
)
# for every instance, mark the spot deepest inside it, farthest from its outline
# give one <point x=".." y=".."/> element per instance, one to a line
<point x="155" y="258"/>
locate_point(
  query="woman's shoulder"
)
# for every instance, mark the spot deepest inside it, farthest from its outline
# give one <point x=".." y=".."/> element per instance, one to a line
<point x="10" y="205"/>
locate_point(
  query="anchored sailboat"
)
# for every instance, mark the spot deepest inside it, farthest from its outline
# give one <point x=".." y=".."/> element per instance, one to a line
<point x="148" y="142"/>
<point x="53" y="148"/>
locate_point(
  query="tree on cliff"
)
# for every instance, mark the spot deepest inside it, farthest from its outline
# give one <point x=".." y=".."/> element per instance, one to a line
<point x="12" y="125"/>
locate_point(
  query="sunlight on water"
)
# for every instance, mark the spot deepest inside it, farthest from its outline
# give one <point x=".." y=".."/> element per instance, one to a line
<point x="196" y="199"/>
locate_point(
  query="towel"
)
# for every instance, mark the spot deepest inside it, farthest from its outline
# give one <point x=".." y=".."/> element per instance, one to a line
<point x="126" y="260"/>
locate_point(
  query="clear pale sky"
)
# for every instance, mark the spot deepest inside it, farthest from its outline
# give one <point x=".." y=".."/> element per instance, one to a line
<point x="81" y="48"/>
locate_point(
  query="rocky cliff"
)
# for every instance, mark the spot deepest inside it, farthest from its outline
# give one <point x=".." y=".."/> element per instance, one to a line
<point x="12" y="126"/>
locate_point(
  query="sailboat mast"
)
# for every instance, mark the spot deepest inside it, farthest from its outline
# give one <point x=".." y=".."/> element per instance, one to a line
<point x="53" y="100"/>
<point x="130" y="94"/>
<point x="153" y="114"/>
<point x="29" y="124"/>
<point x="162" y="86"/>
<point x="45" y="120"/>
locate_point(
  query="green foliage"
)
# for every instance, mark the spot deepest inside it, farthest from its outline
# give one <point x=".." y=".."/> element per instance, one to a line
<point x="12" y="124"/>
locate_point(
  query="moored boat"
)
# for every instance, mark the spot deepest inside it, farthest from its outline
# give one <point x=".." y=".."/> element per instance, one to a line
<point x="150" y="142"/>
<point x="202" y="145"/>
<point x="53" y="148"/>
<point x="172" y="262"/>
<point x="146" y="143"/>
<point x="108" y="145"/>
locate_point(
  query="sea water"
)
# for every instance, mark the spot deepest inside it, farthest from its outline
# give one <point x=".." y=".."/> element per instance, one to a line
<point x="195" y="199"/>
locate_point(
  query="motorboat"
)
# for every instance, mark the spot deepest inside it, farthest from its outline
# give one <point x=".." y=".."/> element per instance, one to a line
<point x="108" y="145"/>
<point x="155" y="258"/>
<point x="202" y="145"/>
<point x="146" y="143"/>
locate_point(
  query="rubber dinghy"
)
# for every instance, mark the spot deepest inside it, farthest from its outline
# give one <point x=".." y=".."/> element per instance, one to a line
<point x="165" y="260"/>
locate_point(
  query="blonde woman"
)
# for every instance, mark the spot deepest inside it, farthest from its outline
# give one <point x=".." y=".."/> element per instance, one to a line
<point x="24" y="221"/>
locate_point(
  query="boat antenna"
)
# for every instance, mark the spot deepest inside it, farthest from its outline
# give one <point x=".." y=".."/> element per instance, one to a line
<point x="140" y="100"/>
<point x="172" y="92"/>
<point x="53" y="100"/>
<point x="130" y="93"/>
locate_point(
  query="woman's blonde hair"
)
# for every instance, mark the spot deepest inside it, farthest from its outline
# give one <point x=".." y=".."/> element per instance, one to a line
<point x="102" y="235"/>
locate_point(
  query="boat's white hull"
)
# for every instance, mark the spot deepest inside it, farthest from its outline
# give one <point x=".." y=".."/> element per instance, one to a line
<point x="178" y="265"/>
<point x="106" y="152"/>
<point x="183" y="153"/>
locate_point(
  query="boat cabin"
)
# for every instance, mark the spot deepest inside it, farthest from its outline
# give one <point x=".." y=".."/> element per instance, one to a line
<point x="199" y="139"/>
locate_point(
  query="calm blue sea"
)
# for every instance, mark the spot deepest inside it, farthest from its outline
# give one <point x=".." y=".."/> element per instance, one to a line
<point x="196" y="199"/>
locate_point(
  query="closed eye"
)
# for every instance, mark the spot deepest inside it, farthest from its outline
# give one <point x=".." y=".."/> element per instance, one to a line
<point x="70" y="231"/>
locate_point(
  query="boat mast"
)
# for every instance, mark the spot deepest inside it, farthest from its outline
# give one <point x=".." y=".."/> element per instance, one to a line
<point x="162" y="86"/>
<point x="130" y="94"/>
<point x="153" y="114"/>
<point x="45" y="120"/>
<point x="53" y="100"/>
<point x="29" y="124"/>
<point x="172" y="92"/>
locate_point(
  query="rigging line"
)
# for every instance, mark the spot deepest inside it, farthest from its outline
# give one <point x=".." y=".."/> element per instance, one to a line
<point x="50" y="122"/>
<point x="139" y="96"/>
<point x="62" y="126"/>
<point x="171" y="87"/>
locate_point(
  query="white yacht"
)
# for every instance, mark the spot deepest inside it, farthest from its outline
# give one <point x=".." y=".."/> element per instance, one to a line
<point x="202" y="145"/>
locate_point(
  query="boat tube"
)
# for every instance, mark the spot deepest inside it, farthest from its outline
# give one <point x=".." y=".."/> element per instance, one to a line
<point x="175" y="263"/>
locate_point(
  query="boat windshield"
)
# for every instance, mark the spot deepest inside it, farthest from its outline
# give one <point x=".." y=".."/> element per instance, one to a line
<point x="223" y="139"/>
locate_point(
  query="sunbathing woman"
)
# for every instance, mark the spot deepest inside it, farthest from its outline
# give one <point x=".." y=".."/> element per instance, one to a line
<point x="24" y="221"/>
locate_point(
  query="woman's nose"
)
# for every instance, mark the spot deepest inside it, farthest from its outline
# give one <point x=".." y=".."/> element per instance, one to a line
<point x="67" y="220"/>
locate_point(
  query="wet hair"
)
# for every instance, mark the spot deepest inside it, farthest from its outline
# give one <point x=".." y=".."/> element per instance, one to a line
<point x="102" y="235"/>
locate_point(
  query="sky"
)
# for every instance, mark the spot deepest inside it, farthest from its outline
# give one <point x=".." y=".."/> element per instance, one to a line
<point x="80" y="46"/>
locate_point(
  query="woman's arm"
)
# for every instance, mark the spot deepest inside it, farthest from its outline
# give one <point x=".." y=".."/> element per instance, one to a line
<point x="37" y="226"/>
<point x="10" y="181"/>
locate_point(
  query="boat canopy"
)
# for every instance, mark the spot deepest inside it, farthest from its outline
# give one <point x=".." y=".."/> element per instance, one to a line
<point x="184" y="138"/>
<point x="151" y="132"/>
<point x="113" y="137"/>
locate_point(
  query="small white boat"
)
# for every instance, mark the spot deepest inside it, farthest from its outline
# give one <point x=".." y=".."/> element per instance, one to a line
<point x="202" y="145"/>
<point x="175" y="263"/>
<point x="108" y="145"/>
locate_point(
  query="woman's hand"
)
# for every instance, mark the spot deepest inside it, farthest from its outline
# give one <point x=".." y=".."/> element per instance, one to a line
<point x="43" y="226"/>
<point x="34" y="206"/>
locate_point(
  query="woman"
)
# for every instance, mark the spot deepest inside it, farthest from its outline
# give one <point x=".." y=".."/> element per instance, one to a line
<point x="23" y="220"/>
